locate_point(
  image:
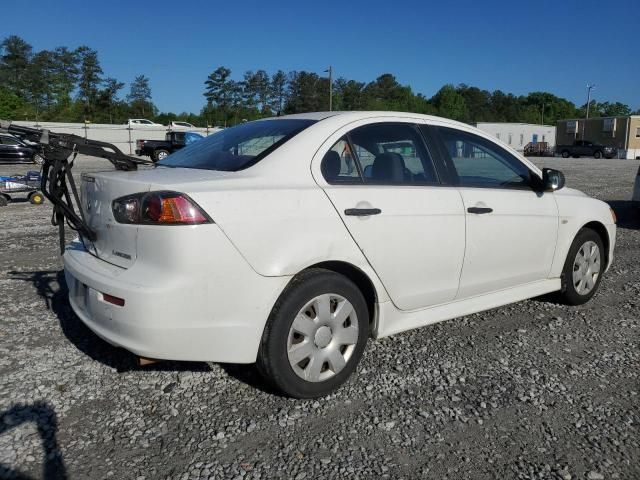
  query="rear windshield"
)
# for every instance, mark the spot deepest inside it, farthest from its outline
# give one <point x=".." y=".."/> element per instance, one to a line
<point x="236" y="148"/>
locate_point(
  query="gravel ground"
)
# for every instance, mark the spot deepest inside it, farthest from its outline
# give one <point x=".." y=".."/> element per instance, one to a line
<point x="531" y="390"/>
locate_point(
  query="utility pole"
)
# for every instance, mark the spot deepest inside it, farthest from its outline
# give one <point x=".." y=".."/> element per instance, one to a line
<point x="590" y="86"/>
<point x="542" y="119"/>
<point x="330" y="70"/>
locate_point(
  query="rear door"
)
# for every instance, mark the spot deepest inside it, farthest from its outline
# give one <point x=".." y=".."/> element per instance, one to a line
<point x="511" y="229"/>
<point x="382" y="181"/>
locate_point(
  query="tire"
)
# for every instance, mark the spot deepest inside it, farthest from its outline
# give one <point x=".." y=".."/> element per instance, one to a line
<point x="4" y="201"/>
<point x="36" y="198"/>
<point x="597" y="154"/>
<point x="571" y="293"/>
<point x="317" y="370"/>
<point x="160" y="154"/>
<point x="565" y="154"/>
<point x="37" y="159"/>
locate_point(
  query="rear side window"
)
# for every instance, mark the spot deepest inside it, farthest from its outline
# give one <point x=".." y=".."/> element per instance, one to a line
<point x="9" y="141"/>
<point x="391" y="153"/>
<point x="339" y="165"/>
<point x="237" y="148"/>
<point x="479" y="162"/>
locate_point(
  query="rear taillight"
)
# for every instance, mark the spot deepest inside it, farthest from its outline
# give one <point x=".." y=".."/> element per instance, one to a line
<point x="158" y="208"/>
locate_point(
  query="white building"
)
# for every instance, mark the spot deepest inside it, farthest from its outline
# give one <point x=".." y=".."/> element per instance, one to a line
<point x="518" y="135"/>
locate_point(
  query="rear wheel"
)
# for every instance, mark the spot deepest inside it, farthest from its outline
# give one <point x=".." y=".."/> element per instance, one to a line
<point x="315" y="335"/>
<point x="565" y="154"/>
<point x="36" y="198"/>
<point x="4" y="200"/>
<point x="583" y="268"/>
<point x="160" y="155"/>
<point x="37" y="159"/>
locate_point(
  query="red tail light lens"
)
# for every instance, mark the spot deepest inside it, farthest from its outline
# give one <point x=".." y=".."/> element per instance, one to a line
<point x="171" y="208"/>
<point x="159" y="208"/>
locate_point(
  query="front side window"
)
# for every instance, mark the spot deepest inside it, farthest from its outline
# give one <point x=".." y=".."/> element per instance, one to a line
<point x="238" y="147"/>
<point x="479" y="162"/>
<point x="392" y="154"/>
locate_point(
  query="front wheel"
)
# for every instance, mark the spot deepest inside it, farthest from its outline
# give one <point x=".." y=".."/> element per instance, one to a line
<point x="565" y="154"/>
<point x="583" y="268"/>
<point x="37" y="159"/>
<point x="597" y="155"/>
<point x="315" y="335"/>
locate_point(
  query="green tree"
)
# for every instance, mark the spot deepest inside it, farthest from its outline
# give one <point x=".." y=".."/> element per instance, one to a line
<point x="108" y="98"/>
<point x="616" y="109"/>
<point x="385" y="93"/>
<point x="12" y="107"/>
<point x="450" y="103"/>
<point x="15" y="55"/>
<point x="64" y="74"/>
<point x="307" y="92"/>
<point x="39" y="80"/>
<point x="349" y="94"/>
<point x="90" y="78"/>
<point x="139" y="96"/>
<point x="278" y="91"/>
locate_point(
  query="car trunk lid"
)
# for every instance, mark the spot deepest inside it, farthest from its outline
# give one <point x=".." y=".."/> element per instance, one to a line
<point x="115" y="243"/>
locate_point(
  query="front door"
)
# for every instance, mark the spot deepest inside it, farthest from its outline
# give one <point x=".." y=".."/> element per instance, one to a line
<point x="511" y="228"/>
<point x="411" y="229"/>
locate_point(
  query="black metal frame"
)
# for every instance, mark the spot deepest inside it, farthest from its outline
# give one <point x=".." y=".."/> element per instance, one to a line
<point x="59" y="151"/>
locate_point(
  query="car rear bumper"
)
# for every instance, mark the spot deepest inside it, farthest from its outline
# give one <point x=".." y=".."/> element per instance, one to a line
<point x="216" y="314"/>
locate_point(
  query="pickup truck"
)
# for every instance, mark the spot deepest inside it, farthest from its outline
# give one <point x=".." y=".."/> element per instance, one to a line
<point x="159" y="149"/>
<point x="587" y="149"/>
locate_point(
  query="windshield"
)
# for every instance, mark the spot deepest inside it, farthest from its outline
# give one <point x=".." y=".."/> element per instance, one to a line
<point x="237" y="148"/>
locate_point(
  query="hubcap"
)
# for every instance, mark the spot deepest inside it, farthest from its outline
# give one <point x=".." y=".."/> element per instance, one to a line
<point x="322" y="337"/>
<point x="162" y="155"/>
<point x="586" y="268"/>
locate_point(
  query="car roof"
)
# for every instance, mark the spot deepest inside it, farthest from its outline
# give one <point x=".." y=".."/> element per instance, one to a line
<point x="364" y="114"/>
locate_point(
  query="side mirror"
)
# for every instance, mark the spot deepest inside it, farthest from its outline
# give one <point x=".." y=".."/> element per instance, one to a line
<point x="552" y="180"/>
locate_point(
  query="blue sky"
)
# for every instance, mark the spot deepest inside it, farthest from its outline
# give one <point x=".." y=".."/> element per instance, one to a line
<point x="557" y="46"/>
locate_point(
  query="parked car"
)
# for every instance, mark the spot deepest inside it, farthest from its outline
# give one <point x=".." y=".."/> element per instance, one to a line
<point x="260" y="244"/>
<point x="142" y="122"/>
<point x="15" y="150"/>
<point x="538" y="149"/>
<point x="182" y="125"/>
<point x="584" y="148"/>
<point x="159" y="149"/>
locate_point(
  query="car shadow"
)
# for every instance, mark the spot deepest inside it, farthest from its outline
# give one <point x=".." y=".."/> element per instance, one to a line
<point x="52" y="288"/>
<point x="44" y="417"/>
<point x="627" y="212"/>
<point x="249" y="375"/>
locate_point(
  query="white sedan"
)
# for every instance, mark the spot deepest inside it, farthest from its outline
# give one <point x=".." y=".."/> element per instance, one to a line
<point x="290" y="241"/>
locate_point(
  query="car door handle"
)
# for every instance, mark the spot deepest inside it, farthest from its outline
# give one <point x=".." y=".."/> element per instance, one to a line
<point x="362" y="212"/>
<point x="479" y="210"/>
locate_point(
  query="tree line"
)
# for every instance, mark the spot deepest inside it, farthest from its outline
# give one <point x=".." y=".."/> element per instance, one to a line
<point x="70" y="85"/>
